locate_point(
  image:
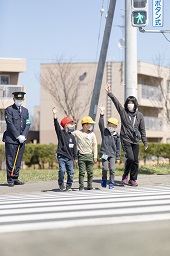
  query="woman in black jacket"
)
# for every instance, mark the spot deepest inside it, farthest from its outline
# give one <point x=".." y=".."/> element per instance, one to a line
<point x="132" y="131"/>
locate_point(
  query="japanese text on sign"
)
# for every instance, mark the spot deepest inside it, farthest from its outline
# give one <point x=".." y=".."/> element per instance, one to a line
<point x="157" y="6"/>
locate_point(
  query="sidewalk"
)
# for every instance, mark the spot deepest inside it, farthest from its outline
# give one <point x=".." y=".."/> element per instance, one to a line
<point x="52" y="186"/>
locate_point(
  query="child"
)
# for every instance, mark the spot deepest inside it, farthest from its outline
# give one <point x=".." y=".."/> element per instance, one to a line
<point x="66" y="151"/>
<point x="110" y="148"/>
<point x="87" y="151"/>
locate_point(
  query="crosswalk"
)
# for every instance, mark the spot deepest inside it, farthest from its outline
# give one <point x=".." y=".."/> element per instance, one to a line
<point x="74" y="209"/>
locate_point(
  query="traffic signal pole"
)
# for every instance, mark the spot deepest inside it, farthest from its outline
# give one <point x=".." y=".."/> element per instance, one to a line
<point x="130" y="54"/>
<point x="102" y="60"/>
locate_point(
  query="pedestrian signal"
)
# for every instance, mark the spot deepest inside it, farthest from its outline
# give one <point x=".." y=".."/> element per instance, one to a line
<point x="139" y="15"/>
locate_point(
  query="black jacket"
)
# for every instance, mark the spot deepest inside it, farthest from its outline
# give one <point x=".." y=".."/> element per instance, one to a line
<point x="110" y="143"/>
<point x="17" y="124"/>
<point x="66" y="142"/>
<point x="127" y="128"/>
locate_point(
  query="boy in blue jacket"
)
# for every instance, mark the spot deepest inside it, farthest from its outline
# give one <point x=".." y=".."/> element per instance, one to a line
<point x="110" y="148"/>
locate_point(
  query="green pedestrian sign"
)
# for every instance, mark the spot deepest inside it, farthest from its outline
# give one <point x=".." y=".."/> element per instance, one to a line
<point x="139" y="14"/>
<point x="139" y="18"/>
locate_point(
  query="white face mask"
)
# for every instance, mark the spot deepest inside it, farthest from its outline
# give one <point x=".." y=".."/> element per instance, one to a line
<point x="91" y="127"/>
<point x="111" y="129"/>
<point x="130" y="107"/>
<point x="18" y="103"/>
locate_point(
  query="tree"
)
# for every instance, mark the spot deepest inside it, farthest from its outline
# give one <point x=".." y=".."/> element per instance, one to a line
<point x="64" y="82"/>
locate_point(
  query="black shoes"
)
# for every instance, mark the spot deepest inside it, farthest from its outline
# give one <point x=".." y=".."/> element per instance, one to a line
<point x="10" y="184"/>
<point x="62" y="187"/>
<point x="16" y="182"/>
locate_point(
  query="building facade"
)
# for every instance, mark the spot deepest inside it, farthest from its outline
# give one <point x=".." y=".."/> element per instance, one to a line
<point x="10" y="70"/>
<point x="60" y="85"/>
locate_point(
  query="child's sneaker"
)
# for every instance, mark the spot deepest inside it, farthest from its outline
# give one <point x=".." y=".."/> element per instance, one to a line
<point x="81" y="188"/>
<point x="68" y="188"/>
<point x="111" y="186"/>
<point x="104" y="183"/>
<point x="125" y="180"/>
<point x="90" y="188"/>
<point x="62" y="187"/>
<point x="133" y="183"/>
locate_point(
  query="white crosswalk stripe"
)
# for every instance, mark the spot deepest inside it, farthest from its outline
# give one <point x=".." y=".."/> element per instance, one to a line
<point x="71" y="209"/>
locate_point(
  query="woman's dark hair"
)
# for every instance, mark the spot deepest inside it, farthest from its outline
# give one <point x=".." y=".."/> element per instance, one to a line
<point x="134" y="100"/>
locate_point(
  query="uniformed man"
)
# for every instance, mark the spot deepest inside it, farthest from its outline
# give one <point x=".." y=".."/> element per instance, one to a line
<point x="18" y="124"/>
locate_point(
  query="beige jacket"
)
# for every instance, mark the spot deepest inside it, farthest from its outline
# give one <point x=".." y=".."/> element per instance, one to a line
<point x="86" y="142"/>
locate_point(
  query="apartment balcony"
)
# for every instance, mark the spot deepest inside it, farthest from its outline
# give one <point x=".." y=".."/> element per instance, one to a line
<point x="154" y="127"/>
<point x="153" y="123"/>
<point x="149" y="96"/>
<point x="6" y="94"/>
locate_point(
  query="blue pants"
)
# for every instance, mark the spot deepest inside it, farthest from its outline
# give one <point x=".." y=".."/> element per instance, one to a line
<point x="65" y="165"/>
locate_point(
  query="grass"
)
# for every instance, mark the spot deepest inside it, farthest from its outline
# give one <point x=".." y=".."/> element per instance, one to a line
<point x="34" y="175"/>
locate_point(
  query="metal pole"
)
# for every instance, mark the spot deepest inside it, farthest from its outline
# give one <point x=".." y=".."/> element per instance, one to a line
<point x="102" y="60"/>
<point x="130" y="54"/>
<point x="153" y="31"/>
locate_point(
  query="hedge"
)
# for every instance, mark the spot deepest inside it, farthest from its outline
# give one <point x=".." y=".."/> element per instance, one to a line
<point x="44" y="155"/>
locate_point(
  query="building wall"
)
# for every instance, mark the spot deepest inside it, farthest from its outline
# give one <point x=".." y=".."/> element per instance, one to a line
<point x="10" y="69"/>
<point x="149" y="77"/>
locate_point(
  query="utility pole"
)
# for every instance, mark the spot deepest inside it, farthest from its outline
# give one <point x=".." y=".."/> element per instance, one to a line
<point x="102" y="60"/>
<point x="130" y="54"/>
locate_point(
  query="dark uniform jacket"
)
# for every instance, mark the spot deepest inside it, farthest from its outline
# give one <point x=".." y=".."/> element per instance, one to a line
<point x="66" y="142"/>
<point x="127" y="128"/>
<point x="17" y="124"/>
<point x="110" y="143"/>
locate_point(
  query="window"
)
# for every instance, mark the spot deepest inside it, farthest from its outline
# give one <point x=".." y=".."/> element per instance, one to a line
<point x="151" y="92"/>
<point x="153" y="123"/>
<point x="4" y="79"/>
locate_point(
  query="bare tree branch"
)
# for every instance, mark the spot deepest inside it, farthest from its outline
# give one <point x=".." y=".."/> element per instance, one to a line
<point x="61" y="81"/>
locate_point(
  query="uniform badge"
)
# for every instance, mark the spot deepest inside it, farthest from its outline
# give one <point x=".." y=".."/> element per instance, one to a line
<point x="28" y="121"/>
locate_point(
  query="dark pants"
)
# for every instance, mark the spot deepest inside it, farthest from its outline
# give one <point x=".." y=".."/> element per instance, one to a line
<point x="108" y="164"/>
<point x="85" y="163"/>
<point x="65" y="165"/>
<point x="132" y="161"/>
<point x="10" y="152"/>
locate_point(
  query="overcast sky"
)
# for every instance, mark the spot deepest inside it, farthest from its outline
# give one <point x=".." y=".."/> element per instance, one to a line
<point x="42" y="30"/>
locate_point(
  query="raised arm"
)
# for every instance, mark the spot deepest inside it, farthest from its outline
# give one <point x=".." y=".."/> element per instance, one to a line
<point x="56" y="123"/>
<point x="116" y="102"/>
<point x="101" y="119"/>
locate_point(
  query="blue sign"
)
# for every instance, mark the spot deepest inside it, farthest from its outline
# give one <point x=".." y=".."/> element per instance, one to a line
<point x="157" y="6"/>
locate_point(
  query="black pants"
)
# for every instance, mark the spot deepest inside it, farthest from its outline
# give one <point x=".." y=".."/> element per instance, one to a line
<point x="10" y="152"/>
<point x="132" y="159"/>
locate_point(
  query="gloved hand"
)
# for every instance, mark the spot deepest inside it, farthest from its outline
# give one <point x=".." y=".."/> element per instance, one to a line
<point x="21" y="138"/>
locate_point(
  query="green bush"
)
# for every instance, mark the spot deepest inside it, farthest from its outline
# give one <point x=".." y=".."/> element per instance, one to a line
<point x="43" y="156"/>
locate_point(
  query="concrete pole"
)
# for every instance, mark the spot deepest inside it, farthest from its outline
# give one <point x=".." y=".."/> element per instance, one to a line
<point x="102" y="60"/>
<point x="130" y="54"/>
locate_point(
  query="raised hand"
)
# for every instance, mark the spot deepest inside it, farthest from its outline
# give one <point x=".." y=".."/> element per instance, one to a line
<point x="54" y="110"/>
<point x="108" y="87"/>
<point x="102" y="109"/>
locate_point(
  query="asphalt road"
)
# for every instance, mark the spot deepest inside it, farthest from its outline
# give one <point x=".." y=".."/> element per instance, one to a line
<point x="134" y="239"/>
